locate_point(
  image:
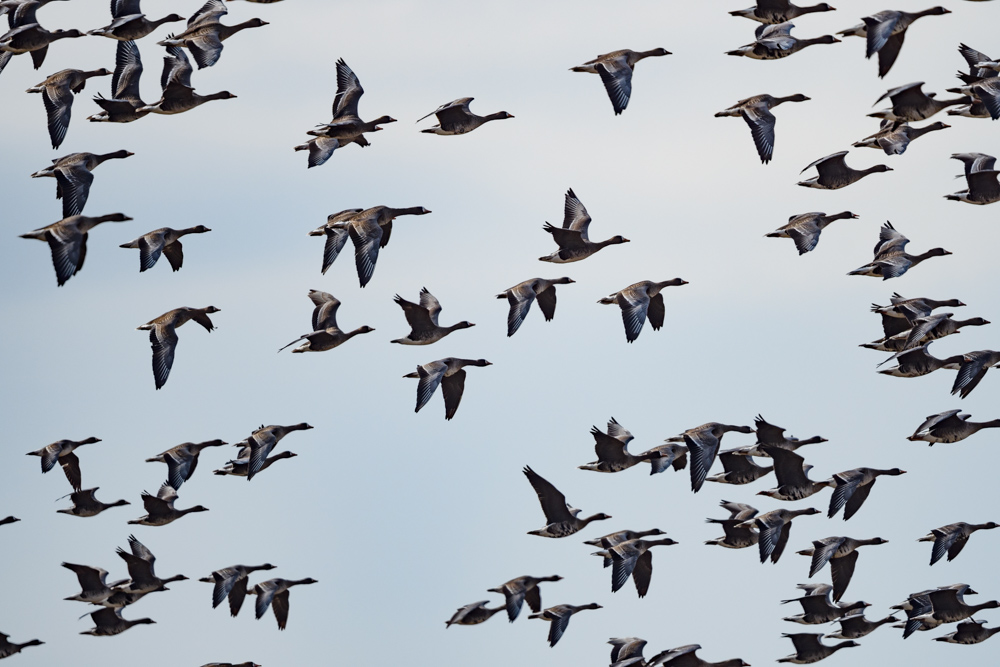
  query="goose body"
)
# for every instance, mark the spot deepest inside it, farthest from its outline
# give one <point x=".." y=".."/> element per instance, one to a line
<point x="792" y="475"/>
<point x="165" y="241"/>
<point x="615" y="70"/>
<point x="63" y="453"/>
<point x="274" y="593"/>
<point x="891" y="260"/>
<point x="736" y="537"/>
<point x="178" y="95"/>
<point x="140" y="561"/>
<point x="948" y="427"/>
<point x="641" y="301"/>
<point x="73" y="177"/>
<point x="804" y="229"/>
<point x="57" y="94"/>
<point x="918" y="608"/>
<point x="519" y="590"/>
<point x="573" y="238"/>
<point x="924" y="330"/>
<point x="756" y="111"/>
<point x="93" y="583"/>
<point x="129" y="23"/>
<point x="109" y="622"/>
<point x="449" y="373"/>
<point x="774" y="528"/>
<point x="910" y="103"/>
<point x="205" y="33"/>
<point x="263" y="441"/>
<point x="809" y="648"/>
<point x="951" y="539"/>
<point x="240" y="466"/>
<point x="969" y="632"/>
<point x="522" y="295"/>
<point x="841" y="553"/>
<point x="561" y="519"/>
<point x="894" y="136"/>
<point x="67" y="241"/>
<point x="853" y="487"/>
<point x="855" y="626"/>
<point x="634" y="559"/>
<point x="917" y="361"/>
<point x="616" y="538"/>
<point x="898" y="316"/>
<point x="775" y="41"/>
<point x="163" y="336"/>
<point x="703" y="444"/>
<point x="612" y="450"/>
<point x="684" y="656"/>
<point x="9" y="648"/>
<point x="182" y="460"/>
<point x="558" y="618"/>
<point x="423" y="320"/>
<point x="472" y="614"/>
<point x="885" y="31"/>
<point x="835" y="174"/>
<point x="86" y="504"/>
<point x="982" y="186"/>
<point x="231" y="583"/>
<point x="779" y="11"/>
<point x="325" y="335"/>
<point x="818" y="608"/>
<point x="739" y="468"/>
<point x="769" y="434"/>
<point x="455" y="118"/>
<point x="160" y="508"/>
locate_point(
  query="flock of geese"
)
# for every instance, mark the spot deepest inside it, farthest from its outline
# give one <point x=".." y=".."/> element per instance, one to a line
<point x="909" y="325"/>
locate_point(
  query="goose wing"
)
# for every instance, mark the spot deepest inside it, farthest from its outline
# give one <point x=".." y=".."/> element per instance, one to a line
<point x="823" y="551"/>
<point x="761" y="122"/>
<point x="841" y="570"/>
<point x="553" y="502"/>
<point x="205" y="48"/>
<point x="776" y="37"/>
<point x="616" y="75"/>
<point x="788" y="466"/>
<point x="430" y="376"/>
<point x="366" y="235"/>
<point x="452" y="388"/>
<point x="279" y="605"/>
<point x="324" y="315"/>
<point x="174" y="252"/>
<point x="879" y="28"/>
<point x="336" y="238"/>
<point x="634" y="305"/>
<point x="74" y="186"/>
<point x="163" y="340"/>
<point x="265" y="591"/>
<point x="972" y="370"/>
<point x="128" y="69"/>
<point x="179" y="468"/>
<point x="609" y="448"/>
<point x="703" y="447"/>
<point x="520" y="299"/>
<point x="575" y="215"/>
<point x="150" y="247"/>
<point x="71" y="468"/>
<point x="349" y="91"/>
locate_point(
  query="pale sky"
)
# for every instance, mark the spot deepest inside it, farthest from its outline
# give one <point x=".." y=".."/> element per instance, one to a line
<point x="405" y="517"/>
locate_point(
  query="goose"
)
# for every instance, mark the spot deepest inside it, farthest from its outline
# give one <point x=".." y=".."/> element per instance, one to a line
<point x="951" y="539"/>
<point x="9" y="648"/>
<point x="779" y="11"/>
<point x="521" y="296"/>
<point x="918" y="361"/>
<point x="918" y="604"/>
<point x="129" y="23"/>
<point x="627" y="651"/>
<point x="455" y="118"/>
<point x="57" y="93"/>
<point x="949" y="606"/>
<point x="894" y="136"/>
<point x="853" y="487"/>
<point x="73" y="177"/>
<point x="616" y="538"/>
<point x="125" y="104"/>
<point x="21" y="13"/>
<point x="616" y="69"/>
<point x="756" y="111"/>
<point x="885" y="31"/>
<point x="274" y="593"/>
<point x="178" y="95"/>
<point x="519" y="590"/>
<point x="973" y="162"/>
<point x="969" y="632"/>
<point x="683" y="656"/>
<point x="703" y="445"/>
<point x="205" y="33"/>
<point x="140" y="563"/>
<point x="739" y="468"/>
<point x="9" y="519"/>
<point x="897" y="316"/>
<point x="612" y="450"/>
<point x="67" y="241"/>
<point x="336" y="232"/>
<point x="164" y="240"/>
<point x="924" y="329"/>
<point x="736" y="537"/>
<point x="558" y="617"/>
<point x="774" y="528"/>
<point x="833" y="173"/>
<point x="450" y="374"/>
<point x="975" y="110"/>
<point x="982" y="186"/>
<point x="988" y="93"/>
<point x="240" y="466"/>
<point x="160" y="508"/>
<point x="910" y="103"/>
<point x="346" y="123"/>
<point x="182" y="460"/>
<point x="817" y="607"/>
<point x="855" y="626"/>
<point x="93" y="583"/>
<point x="561" y="520"/>
<point x="109" y="622"/>
<point x="163" y="336"/>
<point x="640" y="301"/>
<point x="948" y="427"/>
<point x="325" y="335"/>
<point x="572" y="238"/>
<point x="775" y="41"/>
<point x="62" y="451"/>
<point x="792" y="475"/>
<point x="231" y="582"/>
<point x="671" y="455"/>
<point x="804" y="229"/>
<point x="472" y="614"/>
<point x="769" y="434"/>
<point x="263" y="441"/>
<point x="370" y="231"/>
<point x="29" y="37"/>
<point x="809" y="648"/>
<point x="423" y="320"/>
<point x="841" y="553"/>
<point x="634" y="559"/>
<point x="322" y="148"/>
<point x="890" y="259"/>
<point x="973" y="369"/>
<point x="86" y="504"/>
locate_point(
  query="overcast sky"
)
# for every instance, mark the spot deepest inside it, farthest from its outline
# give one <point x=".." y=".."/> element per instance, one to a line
<point x="405" y="517"/>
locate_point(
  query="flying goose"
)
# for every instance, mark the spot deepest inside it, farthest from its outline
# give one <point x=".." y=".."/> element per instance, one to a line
<point x="616" y="538"/>
<point x="22" y="13"/>
<point x="29" y="37"/>
<point x="804" y="229"/>
<point x="94" y="586"/>
<point x="894" y="136"/>
<point x="472" y="614"/>
<point x="612" y="450"/>
<point x="423" y="320"/>
<point x="640" y="301"/>
<point x="369" y="231"/>
<point x="973" y="162"/>
<point x="263" y="441"/>
<point x="890" y="259"/>
<point x="671" y="455"/>
<point x="756" y="111"/>
<point x="969" y="632"/>
<point x="809" y="648"/>
<point x="521" y="296"/>
<point x="919" y="604"/>
<point x="818" y="608"/>
<point x="86" y="504"/>
<point x="634" y="559"/>
<point x="166" y="241"/>
<point x="885" y="31"/>
<point x="178" y="95"/>
<point x="572" y="238"/>
<point x="988" y="93"/>
<point x="163" y="336"/>
<point x="778" y="11"/>
<point x="109" y="622"/>
<point x="519" y="590"/>
<point x="627" y="651"/>
<point x="855" y="626"/>
<point x="240" y="466"/>
<point x="8" y="648"/>
<point x="346" y="124"/>
<point x="67" y="241"/>
<point x="274" y="593"/>
<point x="558" y="618"/>
<point x="683" y="656"/>
<point x="322" y="148"/>
<point x="703" y="446"/>
<point x="772" y="42"/>
<point x="982" y="186"/>
<point x="951" y="539"/>
<point x="231" y="582"/>
<point x="841" y="553"/>
<point x="739" y="467"/>
<point x="616" y="69"/>
<point x="897" y="317"/>
<point x="325" y="335"/>
<point x="853" y="487"/>
<point x="774" y="528"/>
<point x="57" y="94"/>
<point x="182" y="460"/>
<point x="129" y="23"/>
<point x="336" y="231"/>
<point x="140" y="561"/>
<point x="833" y="173"/>
<point x="73" y="177"/>
<point x="924" y="329"/>
<point x="948" y="606"/>
<point x="917" y="361"/>
<point x="792" y="475"/>
<point x="160" y="508"/>
<point x="9" y="519"/>
<point x="205" y="33"/>
<point x="450" y="374"/>
<point x="455" y="118"/>
<point x="736" y="537"/>
<point x="125" y="104"/>
<point x="910" y="103"/>
<point x="948" y="427"/>
<point x="62" y="451"/>
<point x="561" y="520"/>
<point x="769" y="434"/>
<point x="973" y="369"/>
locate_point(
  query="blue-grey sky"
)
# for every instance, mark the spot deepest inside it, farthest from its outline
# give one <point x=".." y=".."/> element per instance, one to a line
<point x="404" y="517"/>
